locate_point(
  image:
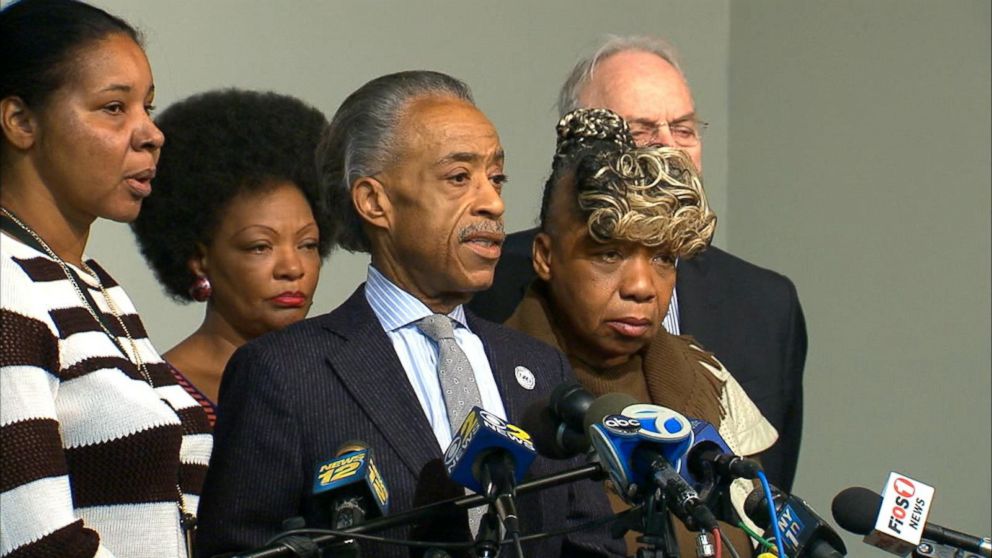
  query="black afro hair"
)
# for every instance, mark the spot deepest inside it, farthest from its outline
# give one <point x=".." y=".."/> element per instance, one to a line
<point x="221" y="144"/>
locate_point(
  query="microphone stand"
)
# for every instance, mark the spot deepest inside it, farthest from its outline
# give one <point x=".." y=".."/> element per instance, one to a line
<point x="930" y="549"/>
<point x="487" y="539"/>
<point x="278" y="550"/>
<point x="655" y="525"/>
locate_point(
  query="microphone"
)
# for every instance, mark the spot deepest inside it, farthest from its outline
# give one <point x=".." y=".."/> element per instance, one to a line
<point x="559" y="425"/>
<point x="490" y="456"/>
<point x="349" y="488"/>
<point x="642" y="448"/>
<point x="858" y="510"/>
<point x="711" y="456"/>
<point x="551" y="436"/>
<point x="804" y="533"/>
<point x="570" y="402"/>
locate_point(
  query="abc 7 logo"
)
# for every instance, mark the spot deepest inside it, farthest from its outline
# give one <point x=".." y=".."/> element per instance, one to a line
<point x="622" y="424"/>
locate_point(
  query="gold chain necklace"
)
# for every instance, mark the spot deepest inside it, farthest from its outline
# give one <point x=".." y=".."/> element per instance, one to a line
<point x="187" y="520"/>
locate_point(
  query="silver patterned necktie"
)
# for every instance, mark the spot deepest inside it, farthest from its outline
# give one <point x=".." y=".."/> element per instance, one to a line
<point x="453" y="369"/>
<point x="458" y="385"/>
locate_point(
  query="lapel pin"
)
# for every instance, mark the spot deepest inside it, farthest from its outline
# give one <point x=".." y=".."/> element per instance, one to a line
<point x="524" y="377"/>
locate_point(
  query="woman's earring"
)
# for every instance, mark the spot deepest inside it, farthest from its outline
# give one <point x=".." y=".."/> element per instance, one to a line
<point x="200" y="290"/>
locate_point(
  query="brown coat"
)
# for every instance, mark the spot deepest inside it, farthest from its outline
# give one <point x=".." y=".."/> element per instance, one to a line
<point x="669" y="372"/>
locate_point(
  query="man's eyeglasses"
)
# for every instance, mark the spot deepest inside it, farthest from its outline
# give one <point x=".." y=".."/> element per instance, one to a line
<point x="685" y="133"/>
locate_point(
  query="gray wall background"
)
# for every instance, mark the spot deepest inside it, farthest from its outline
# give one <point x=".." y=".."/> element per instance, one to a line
<point x="849" y="149"/>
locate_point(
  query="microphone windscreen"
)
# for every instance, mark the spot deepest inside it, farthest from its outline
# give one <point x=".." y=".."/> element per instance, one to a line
<point x="609" y="404"/>
<point x="541" y="424"/>
<point x="855" y="509"/>
<point x="350" y="446"/>
<point x="569" y="402"/>
<point x="756" y="507"/>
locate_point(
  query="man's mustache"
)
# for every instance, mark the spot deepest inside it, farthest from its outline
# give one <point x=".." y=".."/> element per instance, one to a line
<point x="487" y="226"/>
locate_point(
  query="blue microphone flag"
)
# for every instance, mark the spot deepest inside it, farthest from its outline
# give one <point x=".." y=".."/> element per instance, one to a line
<point x="353" y="471"/>
<point x="482" y="432"/>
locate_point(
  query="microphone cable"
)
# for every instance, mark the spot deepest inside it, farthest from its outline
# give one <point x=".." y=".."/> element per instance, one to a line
<point x="772" y="513"/>
<point x="517" y="540"/>
<point x="767" y="544"/>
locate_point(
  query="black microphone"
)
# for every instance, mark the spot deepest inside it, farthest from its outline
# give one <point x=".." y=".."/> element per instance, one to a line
<point x="856" y="509"/>
<point x="559" y="426"/>
<point x="349" y="489"/>
<point x="804" y="533"/>
<point x="570" y="402"/>
<point x="551" y="436"/>
<point x="710" y="455"/>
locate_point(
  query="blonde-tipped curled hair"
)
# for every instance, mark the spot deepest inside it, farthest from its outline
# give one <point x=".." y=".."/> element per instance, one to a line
<point x="648" y="195"/>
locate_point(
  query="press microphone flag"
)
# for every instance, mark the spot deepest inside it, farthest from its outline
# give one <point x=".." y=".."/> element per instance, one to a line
<point x="804" y="533"/>
<point x="857" y="510"/>
<point x="618" y="436"/>
<point x="642" y="447"/>
<point x="902" y="515"/>
<point x="483" y="434"/>
<point x="349" y="487"/>
<point x="710" y="451"/>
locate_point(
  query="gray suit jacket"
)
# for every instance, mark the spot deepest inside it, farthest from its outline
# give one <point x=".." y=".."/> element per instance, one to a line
<point x="292" y="397"/>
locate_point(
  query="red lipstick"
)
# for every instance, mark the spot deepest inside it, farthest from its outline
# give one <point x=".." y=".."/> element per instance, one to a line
<point x="294" y="299"/>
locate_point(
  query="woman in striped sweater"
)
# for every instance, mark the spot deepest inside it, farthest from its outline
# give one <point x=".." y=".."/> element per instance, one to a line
<point x="101" y="453"/>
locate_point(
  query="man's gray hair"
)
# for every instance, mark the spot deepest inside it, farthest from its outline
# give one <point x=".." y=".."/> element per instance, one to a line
<point x="582" y="73"/>
<point x="361" y="141"/>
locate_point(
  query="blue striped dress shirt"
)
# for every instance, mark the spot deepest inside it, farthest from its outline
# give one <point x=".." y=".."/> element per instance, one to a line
<point x="671" y="321"/>
<point x="398" y="312"/>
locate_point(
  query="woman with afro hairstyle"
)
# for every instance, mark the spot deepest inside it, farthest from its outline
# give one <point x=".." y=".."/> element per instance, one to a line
<point x="233" y="223"/>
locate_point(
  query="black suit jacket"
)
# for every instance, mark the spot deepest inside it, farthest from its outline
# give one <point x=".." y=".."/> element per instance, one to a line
<point x="749" y="317"/>
<point x="292" y="397"/>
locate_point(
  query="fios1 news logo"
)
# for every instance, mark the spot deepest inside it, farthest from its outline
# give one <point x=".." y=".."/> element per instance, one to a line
<point x="902" y="515"/>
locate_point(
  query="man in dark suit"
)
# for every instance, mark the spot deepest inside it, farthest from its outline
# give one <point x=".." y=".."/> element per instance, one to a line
<point x="413" y="172"/>
<point x="749" y="317"/>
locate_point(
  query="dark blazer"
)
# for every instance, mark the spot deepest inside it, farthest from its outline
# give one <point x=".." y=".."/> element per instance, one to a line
<point x="749" y="317"/>
<point x="292" y="397"/>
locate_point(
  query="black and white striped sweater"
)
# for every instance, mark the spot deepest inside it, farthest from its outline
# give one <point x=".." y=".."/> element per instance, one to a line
<point x="90" y="454"/>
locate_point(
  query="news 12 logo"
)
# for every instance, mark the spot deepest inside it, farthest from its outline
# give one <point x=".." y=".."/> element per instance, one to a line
<point x="356" y="466"/>
<point x="902" y="515"/>
<point x="378" y="485"/>
<point x="341" y="468"/>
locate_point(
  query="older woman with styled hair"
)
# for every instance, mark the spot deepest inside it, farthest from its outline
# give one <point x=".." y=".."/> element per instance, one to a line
<point x="615" y="219"/>
<point x="232" y="223"/>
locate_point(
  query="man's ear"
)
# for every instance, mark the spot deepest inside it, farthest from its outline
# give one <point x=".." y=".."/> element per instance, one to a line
<point x="541" y="256"/>
<point x="368" y="195"/>
<point x="17" y="122"/>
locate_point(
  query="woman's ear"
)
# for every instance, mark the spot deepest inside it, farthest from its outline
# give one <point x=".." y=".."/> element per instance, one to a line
<point x="197" y="263"/>
<point x="541" y="256"/>
<point x="17" y="123"/>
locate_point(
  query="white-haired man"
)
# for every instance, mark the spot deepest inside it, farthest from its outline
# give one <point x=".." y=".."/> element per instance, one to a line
<point x="749" y="317"/>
